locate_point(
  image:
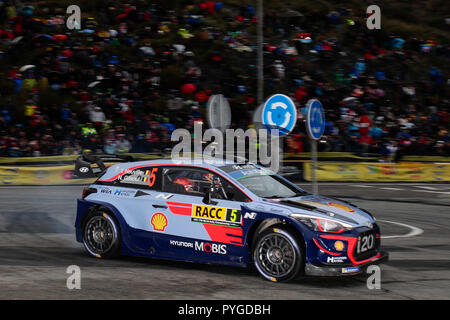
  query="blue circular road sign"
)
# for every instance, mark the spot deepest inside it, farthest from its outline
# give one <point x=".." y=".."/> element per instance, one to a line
<point x="279" y="112"/>
<point x="315" y="119"/>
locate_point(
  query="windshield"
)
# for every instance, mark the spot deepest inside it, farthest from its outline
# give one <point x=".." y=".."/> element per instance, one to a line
<point x="271" y="186"/>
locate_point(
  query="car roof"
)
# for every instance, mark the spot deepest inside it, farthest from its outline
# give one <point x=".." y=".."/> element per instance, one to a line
<point x="208" y="163"/>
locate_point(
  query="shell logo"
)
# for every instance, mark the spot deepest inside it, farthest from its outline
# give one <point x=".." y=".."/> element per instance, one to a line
<point x="339" y="245"/>
<point x="341" y="206"/>
<point x="159" y="221"/>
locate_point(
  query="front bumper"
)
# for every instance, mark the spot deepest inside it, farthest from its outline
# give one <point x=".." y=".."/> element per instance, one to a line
<point x="333" y="271"/>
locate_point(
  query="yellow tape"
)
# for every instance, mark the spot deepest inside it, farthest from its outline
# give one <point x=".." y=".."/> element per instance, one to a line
<point x="381" y="172"/>
<point x="55" y="175"/>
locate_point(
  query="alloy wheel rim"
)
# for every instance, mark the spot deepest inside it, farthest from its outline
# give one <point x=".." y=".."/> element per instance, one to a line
<point x="100" y="234"/>
<point x="276" y="255"/>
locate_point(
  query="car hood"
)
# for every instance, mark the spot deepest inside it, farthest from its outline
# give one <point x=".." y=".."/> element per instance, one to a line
<point x="325" y="207"/>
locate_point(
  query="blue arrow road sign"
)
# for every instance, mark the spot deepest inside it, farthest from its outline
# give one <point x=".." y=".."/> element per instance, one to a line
<point x="279" y="112"/>
<point x="315" y="119"/>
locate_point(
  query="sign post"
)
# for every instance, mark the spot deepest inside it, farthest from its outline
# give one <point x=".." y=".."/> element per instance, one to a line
<point x="218" y="112"/>
<point x="315" y="126"/>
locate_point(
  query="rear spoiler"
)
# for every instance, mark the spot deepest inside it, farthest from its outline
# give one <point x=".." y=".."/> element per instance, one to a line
<point x="83" y="168"/>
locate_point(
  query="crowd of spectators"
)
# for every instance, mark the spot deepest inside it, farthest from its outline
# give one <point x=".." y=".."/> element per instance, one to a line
<point x="136" y="71"/>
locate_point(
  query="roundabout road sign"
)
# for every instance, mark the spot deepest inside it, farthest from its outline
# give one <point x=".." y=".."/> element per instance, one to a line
<point x="279" y="112"/>
<point x="315" y="119"/>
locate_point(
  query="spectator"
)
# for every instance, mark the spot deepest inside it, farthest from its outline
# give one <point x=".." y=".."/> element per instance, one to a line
<point x="123" y="145"/>
<point x="116" y="76"/>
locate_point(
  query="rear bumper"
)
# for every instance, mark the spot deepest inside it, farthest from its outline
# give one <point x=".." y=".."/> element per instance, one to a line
<point x="343" y="270"/>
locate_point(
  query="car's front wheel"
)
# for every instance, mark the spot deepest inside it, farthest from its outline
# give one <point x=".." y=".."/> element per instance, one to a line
<point x="101" y="235"/>
<point x="277" y="255"/>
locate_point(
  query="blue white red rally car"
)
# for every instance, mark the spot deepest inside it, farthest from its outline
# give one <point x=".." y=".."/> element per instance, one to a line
<point x="221" y="213"/>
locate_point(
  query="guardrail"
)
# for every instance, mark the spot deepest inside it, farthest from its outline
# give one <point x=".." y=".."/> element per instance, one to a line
<point x="58" y="170"/>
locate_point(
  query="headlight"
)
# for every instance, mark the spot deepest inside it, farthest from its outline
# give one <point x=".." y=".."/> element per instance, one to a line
<point x="322" y="224"/>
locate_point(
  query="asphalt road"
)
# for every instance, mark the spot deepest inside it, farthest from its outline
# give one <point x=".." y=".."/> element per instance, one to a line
<point x="37" y="245"/>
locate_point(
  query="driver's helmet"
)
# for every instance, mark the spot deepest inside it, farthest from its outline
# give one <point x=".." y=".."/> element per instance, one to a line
<point x="208" y="176"/>
<point x="216" y="181"/>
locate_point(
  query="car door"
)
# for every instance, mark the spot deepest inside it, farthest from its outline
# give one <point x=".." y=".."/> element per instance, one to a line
<point x="136" y="194"/>
<point x="199" y="230"/>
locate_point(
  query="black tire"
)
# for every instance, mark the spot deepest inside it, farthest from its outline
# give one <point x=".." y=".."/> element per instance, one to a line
<point x="101" y="234"/>
<point x="277" y="254"/>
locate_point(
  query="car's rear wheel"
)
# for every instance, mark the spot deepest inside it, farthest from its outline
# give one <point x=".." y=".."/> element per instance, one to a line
<point x="277" y="254"/>
<point x="101" y="234"/>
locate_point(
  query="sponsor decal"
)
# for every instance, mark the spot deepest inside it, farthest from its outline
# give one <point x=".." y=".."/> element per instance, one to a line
<point x="164" y="196"/>
<point x="336" y="259"/>
<point x="106" y="191"/>
<point x="67" y="174"/>
<point x="159" y="221"/>
<point x="250" y="215"/>
<point x="184" y="244"/>
<point x="341" y="206"/>
<point x="350" y="270"/>
<point x="135" y="177"/>
<point x="139" y="177"/>
<point x="210" y="247"/>
<point x="216" y="215"/>
<point x="207" y="247"/>
<point x="83" y="169"/>
<point x="124" y="193"/>
<point x="248" y="173"/>
<point x="339" y="245"/>
<point x="8" y="175"/>
<point x="242" y="166"/>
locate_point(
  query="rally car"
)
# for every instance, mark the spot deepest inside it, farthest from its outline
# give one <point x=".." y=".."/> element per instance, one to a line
<point x="221" y="212"/>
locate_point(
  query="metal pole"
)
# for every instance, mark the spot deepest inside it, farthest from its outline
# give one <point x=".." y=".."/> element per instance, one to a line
<point x="314" y="166"/>
<point x="260" y="36"/>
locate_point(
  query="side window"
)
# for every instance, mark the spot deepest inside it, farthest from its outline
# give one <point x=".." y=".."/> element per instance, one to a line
<point x="187" y="181"/>
<point x="143" y="178"/>
<point x="196" y="182"/>
<point x="232" y="192"/>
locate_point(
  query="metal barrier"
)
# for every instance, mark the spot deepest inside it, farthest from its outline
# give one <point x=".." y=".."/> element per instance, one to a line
<point x="58" y="170"/>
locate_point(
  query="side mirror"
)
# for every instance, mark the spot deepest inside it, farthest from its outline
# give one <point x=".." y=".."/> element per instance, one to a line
<point x="207" y="198"/>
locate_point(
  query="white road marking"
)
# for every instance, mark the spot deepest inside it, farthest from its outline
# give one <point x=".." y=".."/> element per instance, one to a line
<point x="395" y="189"/>
<point x="413" y="233"/>
<point x="443" y="192"/>
<point x="361" y="186"/>
<point x="426" y="187"/>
